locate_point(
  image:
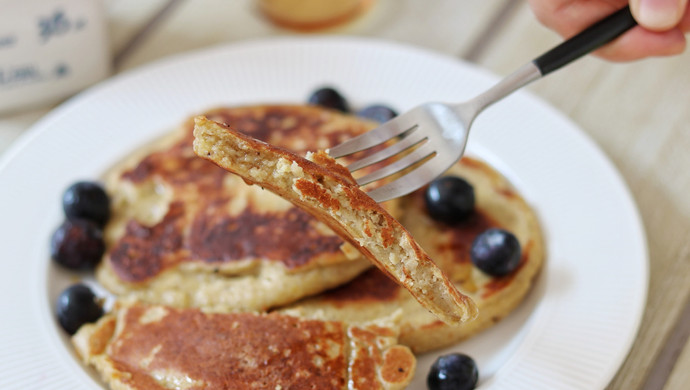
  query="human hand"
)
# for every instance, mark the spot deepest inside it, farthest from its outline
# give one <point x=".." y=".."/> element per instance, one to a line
<point x="662" y="24"/>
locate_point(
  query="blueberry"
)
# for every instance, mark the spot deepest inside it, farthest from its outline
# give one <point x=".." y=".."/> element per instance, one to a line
<point x="453" y="372"/>
<point x="77" y="244"/>
<point x="86" y="200"/>
<point x="496" y="252"/>
<point x="76" y="306"/>
<point x="330" y="98"/>
<point x="378" y="113"/>
<point x="449" y="199"/>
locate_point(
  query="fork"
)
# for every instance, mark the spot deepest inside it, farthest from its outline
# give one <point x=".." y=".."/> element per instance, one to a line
<point x="439" y="131"/>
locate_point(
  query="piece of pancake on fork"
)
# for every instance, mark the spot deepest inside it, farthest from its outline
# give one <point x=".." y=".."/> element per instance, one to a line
<point x="327" y="190"/>
<point x="372" y="295"/>
<point x="187" y="233"/>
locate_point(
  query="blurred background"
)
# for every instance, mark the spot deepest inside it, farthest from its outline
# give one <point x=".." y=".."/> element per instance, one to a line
<point x="638" y="113"/>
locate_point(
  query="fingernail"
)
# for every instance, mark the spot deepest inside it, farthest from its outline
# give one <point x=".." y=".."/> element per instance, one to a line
<point x="659" y="14"/>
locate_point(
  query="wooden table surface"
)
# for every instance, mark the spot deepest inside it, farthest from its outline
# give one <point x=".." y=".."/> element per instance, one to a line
<point x="638" y="113"/>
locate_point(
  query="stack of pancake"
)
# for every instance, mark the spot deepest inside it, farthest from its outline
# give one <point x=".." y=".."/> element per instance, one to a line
<point x="225" y="285"/>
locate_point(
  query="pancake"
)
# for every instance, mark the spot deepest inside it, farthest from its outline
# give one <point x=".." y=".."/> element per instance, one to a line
<point x="372" y="295"/>
<point x="154" y="347"/>
<point x="327" y="190"/>
<point x="186" y="233"/>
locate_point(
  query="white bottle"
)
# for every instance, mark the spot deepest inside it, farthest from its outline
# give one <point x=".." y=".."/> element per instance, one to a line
<point x="49" y="50"/>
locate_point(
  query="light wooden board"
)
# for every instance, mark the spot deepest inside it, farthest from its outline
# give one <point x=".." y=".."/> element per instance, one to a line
<point x="680" y="376"/>
<point x="128" y="17"/>
<point x="192" y="26"/>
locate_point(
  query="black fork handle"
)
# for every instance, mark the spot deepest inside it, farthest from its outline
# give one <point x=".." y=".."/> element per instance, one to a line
<point x="595" y="36"/>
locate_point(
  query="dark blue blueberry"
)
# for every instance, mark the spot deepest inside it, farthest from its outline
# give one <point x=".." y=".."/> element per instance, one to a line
<point x="77" y="244"/>
<point x="449" y="199"/>
<point x="378" y="113"/>
<point x="330" y="98"/>
<point x="453" y="372"/>
<point x="76" y="306"/>
<point x="496" y="252"/>
<point x="86" y="200"/>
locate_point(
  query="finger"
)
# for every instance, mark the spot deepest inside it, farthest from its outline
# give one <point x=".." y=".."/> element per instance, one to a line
<point x="640" y="43"/>
<point x="568" y="17"/>
<point x="658" y="15"/>
<point x="684" y="24"/>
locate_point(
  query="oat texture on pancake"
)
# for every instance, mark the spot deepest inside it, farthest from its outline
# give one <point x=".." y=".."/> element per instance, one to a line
<point x="153" y="347"/>
<point x="186" y="233"/>
<point x="327" y="190"/>
<point x="372" y="295"/>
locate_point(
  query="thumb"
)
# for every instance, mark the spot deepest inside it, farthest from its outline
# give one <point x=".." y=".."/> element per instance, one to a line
<point x="658" y="15"/>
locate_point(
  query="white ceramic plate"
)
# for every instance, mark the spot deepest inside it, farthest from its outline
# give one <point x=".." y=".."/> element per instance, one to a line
<point x="573" y="331"/>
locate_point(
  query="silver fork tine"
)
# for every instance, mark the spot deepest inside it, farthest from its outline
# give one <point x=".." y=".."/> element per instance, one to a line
<point x="420" y="153"/>
<point x="379" y="135"/>
<point x="411" y="139"/>
<point x="404" y="185"/>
